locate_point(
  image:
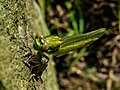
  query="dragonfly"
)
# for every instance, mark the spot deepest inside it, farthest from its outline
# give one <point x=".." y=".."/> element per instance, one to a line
<point x="60" y="46"/>
<point x="57" y="47"/>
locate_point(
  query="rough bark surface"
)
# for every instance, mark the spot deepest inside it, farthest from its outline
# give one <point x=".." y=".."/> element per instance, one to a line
<point x="19" y="19"/>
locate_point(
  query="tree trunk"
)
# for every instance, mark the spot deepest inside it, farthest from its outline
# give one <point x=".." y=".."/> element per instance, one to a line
<point x="19" y="20"/>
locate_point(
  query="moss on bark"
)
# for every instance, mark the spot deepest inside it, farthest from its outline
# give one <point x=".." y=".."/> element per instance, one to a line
<point x="19" y="19"/>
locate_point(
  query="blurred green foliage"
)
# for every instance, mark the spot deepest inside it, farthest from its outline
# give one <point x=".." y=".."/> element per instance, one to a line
<point x="89" y="65"/>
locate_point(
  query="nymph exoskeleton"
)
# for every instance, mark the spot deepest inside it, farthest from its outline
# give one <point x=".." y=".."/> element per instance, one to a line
<point x="38" y="62"/>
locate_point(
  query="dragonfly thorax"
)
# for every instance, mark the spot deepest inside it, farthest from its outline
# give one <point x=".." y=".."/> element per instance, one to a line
<point x="48" y="44"/>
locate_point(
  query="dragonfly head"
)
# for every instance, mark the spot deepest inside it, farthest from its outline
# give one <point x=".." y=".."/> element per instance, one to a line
<point x="47" y="44"/>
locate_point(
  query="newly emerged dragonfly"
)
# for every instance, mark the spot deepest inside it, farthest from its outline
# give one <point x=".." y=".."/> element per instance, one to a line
<point x="57" y="47"/>
<point x="60" y="46"/>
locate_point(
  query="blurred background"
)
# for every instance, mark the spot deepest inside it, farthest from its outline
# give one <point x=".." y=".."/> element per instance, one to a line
<point x="96" y="67"/>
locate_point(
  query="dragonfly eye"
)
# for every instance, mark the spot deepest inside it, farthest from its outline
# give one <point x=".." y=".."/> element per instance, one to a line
<point x="37" y="45"/>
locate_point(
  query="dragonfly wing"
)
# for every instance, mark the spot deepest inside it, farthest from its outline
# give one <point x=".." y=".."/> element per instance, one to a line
<point x="71" y="39"/>
<point x="79" y="41"/>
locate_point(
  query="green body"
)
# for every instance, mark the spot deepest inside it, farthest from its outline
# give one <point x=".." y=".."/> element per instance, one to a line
<point x="51" y="42"/>
<point x="58" y="46"/>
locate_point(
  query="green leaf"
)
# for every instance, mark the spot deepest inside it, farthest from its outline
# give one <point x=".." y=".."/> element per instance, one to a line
<point x="68" y="4"/>
<point x="74" y="21"/>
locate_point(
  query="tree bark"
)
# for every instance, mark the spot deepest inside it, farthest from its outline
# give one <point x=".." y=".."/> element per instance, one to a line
<point x="19" y="20"/>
